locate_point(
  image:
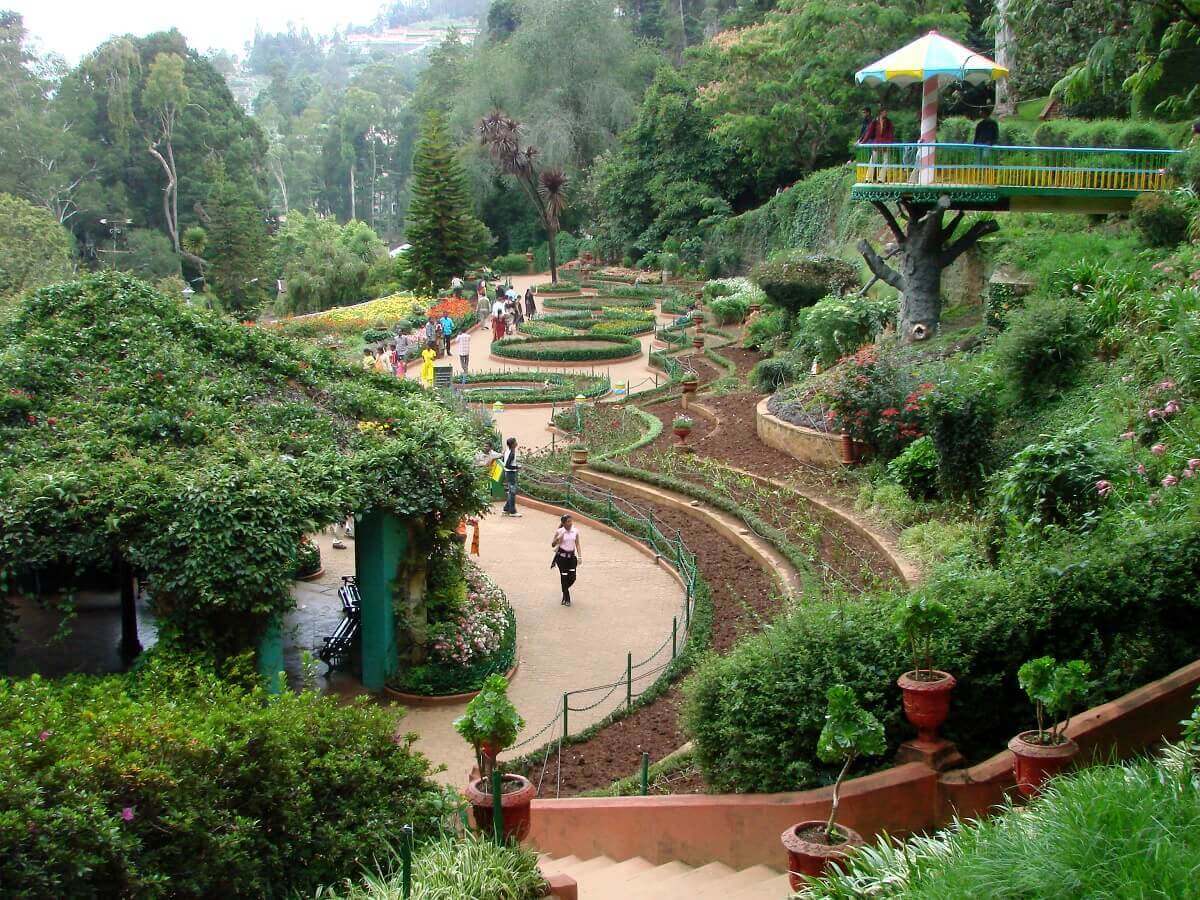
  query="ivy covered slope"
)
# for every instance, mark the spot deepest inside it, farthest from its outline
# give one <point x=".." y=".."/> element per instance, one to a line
<point x="200" y="451"/>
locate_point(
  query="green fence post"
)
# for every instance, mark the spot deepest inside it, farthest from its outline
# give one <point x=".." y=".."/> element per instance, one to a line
<point x="674" y="634"/>
<point x="629" y="679"/>
<point x="645" y="773"/>
<point x="406" y="849"/>
<point x="497" y="808"/>
<point x="687" y="609"/>
<point x="564" y="716"/>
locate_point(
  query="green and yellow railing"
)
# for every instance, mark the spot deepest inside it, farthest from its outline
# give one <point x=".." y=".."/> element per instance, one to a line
<point x="1018" y="169"/>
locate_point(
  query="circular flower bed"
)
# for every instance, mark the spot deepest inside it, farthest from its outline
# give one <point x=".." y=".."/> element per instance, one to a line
<point x="532" y="387"/>
<point x="478" y="641"/>
<point x="571" y="348"/>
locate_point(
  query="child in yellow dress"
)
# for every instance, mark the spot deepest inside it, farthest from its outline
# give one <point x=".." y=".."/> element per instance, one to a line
<point x="428" y="355"/>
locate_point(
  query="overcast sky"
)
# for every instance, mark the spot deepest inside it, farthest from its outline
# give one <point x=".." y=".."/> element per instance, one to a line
<point x="73" y="27"/>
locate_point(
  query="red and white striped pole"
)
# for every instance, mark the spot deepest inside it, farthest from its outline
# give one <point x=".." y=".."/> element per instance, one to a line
<point x="929" y="110"/>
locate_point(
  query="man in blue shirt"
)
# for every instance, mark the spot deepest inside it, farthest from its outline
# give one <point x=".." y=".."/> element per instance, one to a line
<point x="447" y="325"/>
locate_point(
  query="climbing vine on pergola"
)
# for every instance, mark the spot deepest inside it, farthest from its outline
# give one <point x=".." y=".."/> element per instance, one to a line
<point x="199" y="451"/>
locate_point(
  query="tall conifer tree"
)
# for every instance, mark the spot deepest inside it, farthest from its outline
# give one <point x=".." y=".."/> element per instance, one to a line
<point x="444" y="235"/>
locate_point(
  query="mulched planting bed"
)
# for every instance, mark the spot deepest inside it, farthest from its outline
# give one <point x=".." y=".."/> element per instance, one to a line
<point x="666" y="413"/>
<point x="745" y="360"/>
<point x="742" y="594"/>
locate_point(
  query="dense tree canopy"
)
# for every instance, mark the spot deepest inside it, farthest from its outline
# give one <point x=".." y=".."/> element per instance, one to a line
<point x="200" y="451"/>
<point x="34" y="248"/>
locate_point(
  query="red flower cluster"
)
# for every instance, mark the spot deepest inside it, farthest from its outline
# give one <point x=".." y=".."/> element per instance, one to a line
<point x="454" y="307"/>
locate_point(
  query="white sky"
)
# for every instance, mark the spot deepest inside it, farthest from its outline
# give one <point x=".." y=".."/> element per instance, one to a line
<point x="73" y="27"/>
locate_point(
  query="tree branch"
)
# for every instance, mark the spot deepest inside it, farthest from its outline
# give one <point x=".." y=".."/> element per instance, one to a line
<point x="891" y="220"/>
<point x="879" y="268"/>
<point x="967" y="241"/>
<point x="948" y="231"/>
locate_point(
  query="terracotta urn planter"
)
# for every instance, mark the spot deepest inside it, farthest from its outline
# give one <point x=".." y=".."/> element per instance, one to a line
<point x="698" y="342"/>
<point x="1034" y="764"/>
<point x="579" y="456"/>
<point x="681" y="436"/>
<point x="926" y="701"/>
<point x="808" y="854"/>
<point x="852" y="450"/>
<point x="690" y="385"/>
<point x="697" y="318"/>
<point x="515" y="799"/>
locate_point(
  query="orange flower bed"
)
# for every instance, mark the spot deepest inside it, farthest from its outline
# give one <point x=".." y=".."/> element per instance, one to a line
<point x="454" y="307"/>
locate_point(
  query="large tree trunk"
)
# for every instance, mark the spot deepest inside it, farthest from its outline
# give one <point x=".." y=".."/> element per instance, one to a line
<point x="928" y="249"/>
<point x="552" y="243"/>
<point x="1006" y="98"/>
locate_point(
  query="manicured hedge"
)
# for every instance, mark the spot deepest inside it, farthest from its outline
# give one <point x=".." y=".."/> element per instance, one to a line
<point x="627" y="327"/>
<point x="1125" y="599"/>
<point x="174" y="782"/>
<point x="563" y="287"/>
<point x="622" y="348"/>
<point x="562" y="387"/>
<point x="598" y="302"/>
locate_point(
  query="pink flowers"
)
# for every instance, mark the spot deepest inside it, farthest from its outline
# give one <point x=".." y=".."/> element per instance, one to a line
<point x="1103" y="487"/>
<point x="1141" y="469"/>
<point x="1154" y="413"/>
<point x="1172" y="407"/>
<point x="1158" y="449"/>
<point x="127" y="814"/>
<point x="1170" y="481"/>
<point x="1128" y="436"/>
<point x="45" y="736"/>
<point x="1193" y="464"/>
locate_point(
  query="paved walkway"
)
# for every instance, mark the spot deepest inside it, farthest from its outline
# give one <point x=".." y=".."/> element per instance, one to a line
<point x="623" y="602"/>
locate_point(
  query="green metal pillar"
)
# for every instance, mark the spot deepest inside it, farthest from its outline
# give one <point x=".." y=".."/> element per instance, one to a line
<point x="270" y="656"/>
<point x="380" y="543"/>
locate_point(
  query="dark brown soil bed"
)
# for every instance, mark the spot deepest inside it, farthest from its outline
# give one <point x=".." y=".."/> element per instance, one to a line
<point x="745" y="360"/>
<point x="666" y="413"/>
<point x="743" y="596"/>
<point x="844" y="554"/>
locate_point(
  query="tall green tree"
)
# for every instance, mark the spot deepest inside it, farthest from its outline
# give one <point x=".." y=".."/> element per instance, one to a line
<point x="34" y="249"/>
<point x="236" y="246"/>
<point x="445" y="236"/>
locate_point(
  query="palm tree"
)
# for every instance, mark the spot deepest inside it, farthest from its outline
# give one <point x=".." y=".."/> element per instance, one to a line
<point x="546" y="188"/>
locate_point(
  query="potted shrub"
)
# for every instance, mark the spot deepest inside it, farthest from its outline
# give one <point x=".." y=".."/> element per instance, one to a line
<point x="850" y="732"/>
<point x="491" y="724"/>
<point x="926" y="690"/>
<point x="691" y="381"/>
<point x="1055" y="690"/>
<point x="681" y="427"/>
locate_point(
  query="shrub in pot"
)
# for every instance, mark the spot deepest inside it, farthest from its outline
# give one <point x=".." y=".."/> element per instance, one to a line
<point x="850" y="732"/>
<point x="1055" y="690"/>
<point x="918" y="621"/>
<point x="681" y="426"/>
<point x="491" y="724"/>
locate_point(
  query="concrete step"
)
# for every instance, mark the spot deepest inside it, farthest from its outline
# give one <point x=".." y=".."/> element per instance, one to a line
<point x="602" y="878"/>
<point x="730" y="885"/>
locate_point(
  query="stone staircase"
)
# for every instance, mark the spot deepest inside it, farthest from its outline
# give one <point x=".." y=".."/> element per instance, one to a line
<point x="601" y="878"/>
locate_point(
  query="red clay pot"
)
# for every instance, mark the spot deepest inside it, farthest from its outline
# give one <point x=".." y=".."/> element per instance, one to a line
<point x="514" y="802"/>
<point x="579" y="456"/>
<point x="926" y="703"/>
<point x="698" y="342"/>
<point x="809" y="857"/>
<point x="1034" y="764"/>
<point x="689" y="387"/>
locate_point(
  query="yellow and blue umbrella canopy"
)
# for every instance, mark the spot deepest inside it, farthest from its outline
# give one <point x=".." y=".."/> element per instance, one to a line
<point x="928" y="57"/>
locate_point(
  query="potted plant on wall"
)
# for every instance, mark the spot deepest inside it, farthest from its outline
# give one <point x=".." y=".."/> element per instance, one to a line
<point x="681" y="427"/>
<point x="1055" y="690"/>
<point x="491" y="724"/>
<point x="850" y="732"/>
<point x="926" y="690"/>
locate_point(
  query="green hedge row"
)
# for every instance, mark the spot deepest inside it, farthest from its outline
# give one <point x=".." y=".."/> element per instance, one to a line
<point x="622" y="348"/>
<point x="562" y="387"/>
<point x="598" y="302"/>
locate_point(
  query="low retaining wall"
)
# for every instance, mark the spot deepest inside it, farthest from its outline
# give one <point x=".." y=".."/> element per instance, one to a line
<point x="742" y="830"/>
<point x="805" y="444"/>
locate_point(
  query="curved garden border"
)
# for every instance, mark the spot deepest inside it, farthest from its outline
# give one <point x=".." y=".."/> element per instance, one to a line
<point x="564" y="387"/>
<point x="517" y="348"/>
<point x="443" y="699"/>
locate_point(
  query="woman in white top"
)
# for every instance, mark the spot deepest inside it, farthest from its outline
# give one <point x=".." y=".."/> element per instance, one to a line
<point x="567" y="556"/>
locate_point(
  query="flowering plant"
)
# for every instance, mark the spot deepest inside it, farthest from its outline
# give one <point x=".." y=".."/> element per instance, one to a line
<point x="454" y="307"/>
<point x="477" y="630"/>
<point x="869" y="400"/>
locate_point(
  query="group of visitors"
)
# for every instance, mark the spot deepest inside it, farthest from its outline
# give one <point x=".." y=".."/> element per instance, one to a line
<point x="878" y="132"/>
<point x="506" y="314"/>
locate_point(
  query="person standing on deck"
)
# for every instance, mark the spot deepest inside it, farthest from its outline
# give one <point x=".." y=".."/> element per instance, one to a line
<point x="880" y="131"/>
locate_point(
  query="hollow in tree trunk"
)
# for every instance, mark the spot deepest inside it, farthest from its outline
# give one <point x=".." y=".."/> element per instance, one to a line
<point x="929" y="247"/>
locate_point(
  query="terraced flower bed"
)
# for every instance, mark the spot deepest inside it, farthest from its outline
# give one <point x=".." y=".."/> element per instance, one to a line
<point x="568" y="348"/>
<point x="532" y="387"/>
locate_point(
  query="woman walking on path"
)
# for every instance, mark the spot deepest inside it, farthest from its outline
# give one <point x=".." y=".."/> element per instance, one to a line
<point x="462" y="347"/>
<point x="511" y="467"/>
<point x="567" y="555"/>
<point x="530" y="304"/>
<point x="429" y="354"/>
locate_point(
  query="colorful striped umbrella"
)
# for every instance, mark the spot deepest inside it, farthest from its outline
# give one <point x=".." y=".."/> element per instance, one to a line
<point x="935" y="61"/>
